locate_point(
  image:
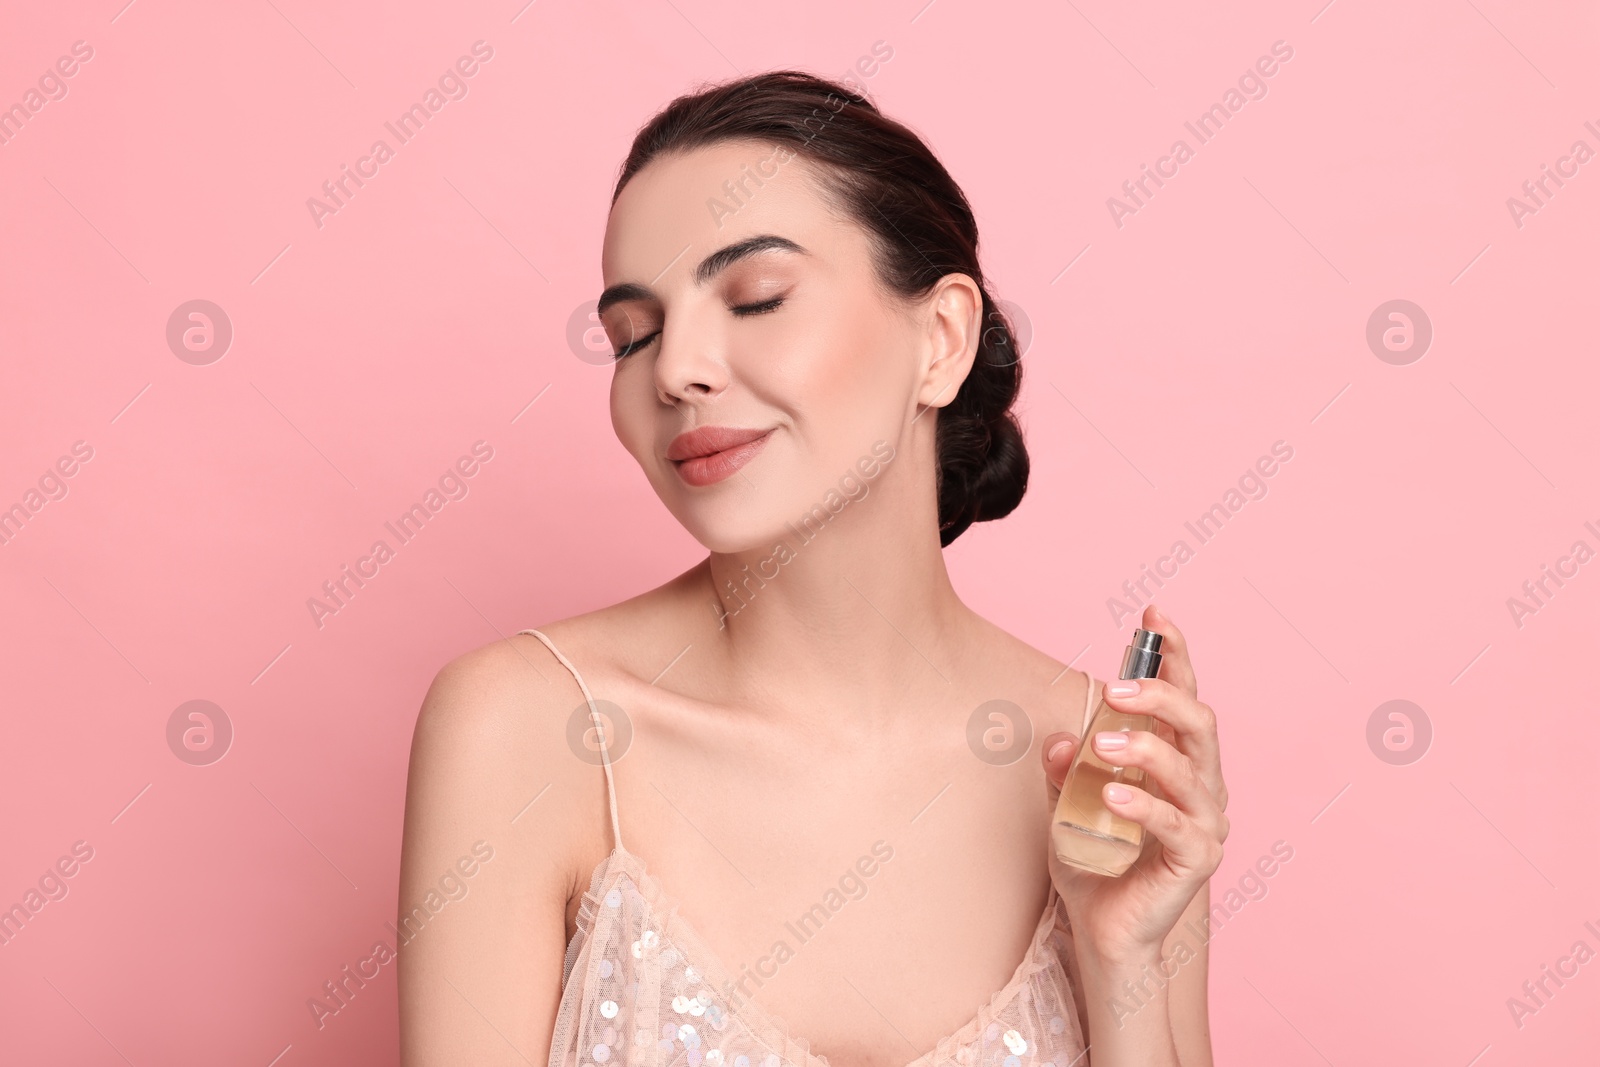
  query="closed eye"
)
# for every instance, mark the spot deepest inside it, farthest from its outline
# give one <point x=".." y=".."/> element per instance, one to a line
<point x="632" y="346"/>
<point x="741" y="310"/>
<point x="758" y="309"/>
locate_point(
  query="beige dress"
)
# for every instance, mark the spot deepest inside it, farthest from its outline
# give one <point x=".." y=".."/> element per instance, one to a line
<point x="639" y="986"/>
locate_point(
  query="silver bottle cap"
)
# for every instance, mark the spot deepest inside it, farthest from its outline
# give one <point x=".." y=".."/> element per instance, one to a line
<point x="1142" y="658"/>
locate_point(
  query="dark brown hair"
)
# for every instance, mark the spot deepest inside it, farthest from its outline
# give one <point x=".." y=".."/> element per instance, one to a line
<point x="880" y="174"/>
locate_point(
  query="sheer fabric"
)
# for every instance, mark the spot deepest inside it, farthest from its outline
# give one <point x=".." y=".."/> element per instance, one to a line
<point x="641" y="989"/>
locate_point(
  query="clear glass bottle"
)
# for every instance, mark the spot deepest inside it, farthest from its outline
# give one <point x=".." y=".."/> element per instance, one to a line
<point x="1085" y="832"/>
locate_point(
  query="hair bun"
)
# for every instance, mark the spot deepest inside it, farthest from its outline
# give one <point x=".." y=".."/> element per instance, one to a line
<point x="982" y="457"/>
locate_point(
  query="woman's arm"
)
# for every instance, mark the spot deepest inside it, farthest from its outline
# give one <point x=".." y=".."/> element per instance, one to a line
<point x="481" y="954"/>
<point x="1183" y="1008"/>
<point x="1188" y="1008"/>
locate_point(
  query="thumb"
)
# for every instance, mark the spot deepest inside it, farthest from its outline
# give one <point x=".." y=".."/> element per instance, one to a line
<point x="1057" y="752"/>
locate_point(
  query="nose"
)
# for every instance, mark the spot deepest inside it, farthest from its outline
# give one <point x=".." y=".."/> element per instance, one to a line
<point x="691" y="363"/>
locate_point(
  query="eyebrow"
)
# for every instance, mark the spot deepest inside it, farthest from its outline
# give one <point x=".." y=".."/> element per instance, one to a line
<point x="707" y="269"/>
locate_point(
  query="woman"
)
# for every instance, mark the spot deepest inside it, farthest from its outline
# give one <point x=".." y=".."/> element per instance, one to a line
<point x="819" y="867"/>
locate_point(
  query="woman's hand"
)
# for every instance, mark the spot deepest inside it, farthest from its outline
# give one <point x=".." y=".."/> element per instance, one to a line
<point x="1126" y="919"/>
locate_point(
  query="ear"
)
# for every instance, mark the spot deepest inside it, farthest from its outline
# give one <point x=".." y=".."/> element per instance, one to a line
<point x="956" y="321"/>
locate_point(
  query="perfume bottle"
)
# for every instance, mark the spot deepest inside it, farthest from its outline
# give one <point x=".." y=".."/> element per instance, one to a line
<point x="1085" y="832"/>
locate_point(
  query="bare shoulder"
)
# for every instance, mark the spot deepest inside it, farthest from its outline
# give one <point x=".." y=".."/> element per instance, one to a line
<point x="1045" y="686"/>
<point x="494" y="726"/>
<point x="633" y="637"/>
<point x="497" y="722"/>
<point x="497" y="814"/>
<point x="495" y="705"/>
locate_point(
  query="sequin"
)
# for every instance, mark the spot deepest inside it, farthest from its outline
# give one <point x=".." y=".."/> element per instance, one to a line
<point x="631" y="911"/>
<point x="608" y="1008"/>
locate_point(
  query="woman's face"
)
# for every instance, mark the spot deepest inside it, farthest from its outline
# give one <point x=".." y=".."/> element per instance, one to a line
<point x="751" y="307"/>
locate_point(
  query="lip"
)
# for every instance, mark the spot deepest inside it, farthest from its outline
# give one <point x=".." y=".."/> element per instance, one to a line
<point x="709" y="439"/>
<point x="709" y="454"/>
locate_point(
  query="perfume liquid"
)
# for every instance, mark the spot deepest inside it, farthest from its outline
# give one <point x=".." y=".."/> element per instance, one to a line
<point x="1085" y="833"/>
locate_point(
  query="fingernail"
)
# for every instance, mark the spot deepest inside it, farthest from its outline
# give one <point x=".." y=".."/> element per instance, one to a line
<point x="1118" y="795"/>
<point x="1158" y="612"/>
<point x="1126" y="688"/>
<point x="1056" y="750"/>
<point x="1111" y="741"/>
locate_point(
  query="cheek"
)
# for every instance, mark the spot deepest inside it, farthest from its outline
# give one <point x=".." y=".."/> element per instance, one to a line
<point x="853" y="353"/>
<point x="865" y="371"/>
<point x="628" y="415"/>
<point x="851" y="389"/>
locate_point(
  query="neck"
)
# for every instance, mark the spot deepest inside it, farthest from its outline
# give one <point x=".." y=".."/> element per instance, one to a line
<point x="849" y="606"/>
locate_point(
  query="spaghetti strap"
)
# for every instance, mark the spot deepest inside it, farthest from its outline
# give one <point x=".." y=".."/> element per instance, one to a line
<point x="600" y="732"/>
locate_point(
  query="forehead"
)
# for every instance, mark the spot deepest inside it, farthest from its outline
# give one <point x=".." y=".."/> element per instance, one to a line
<point x="683" y="206"/>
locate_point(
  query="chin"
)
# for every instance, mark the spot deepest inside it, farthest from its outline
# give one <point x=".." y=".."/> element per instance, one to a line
<point x="730" y="516"/>
<point x="732" y="530"/>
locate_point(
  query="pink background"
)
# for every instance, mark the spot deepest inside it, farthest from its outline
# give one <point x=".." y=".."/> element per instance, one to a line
<point x="368" y="354"/>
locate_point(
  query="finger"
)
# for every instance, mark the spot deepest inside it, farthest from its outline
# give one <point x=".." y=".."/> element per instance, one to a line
<point x="1175" y="664"/>
<point x="1056" y="752"/>
<point x="1172" y="776"/>
<point x="1187" y="849"/>
<point x="1194" y="724"/>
